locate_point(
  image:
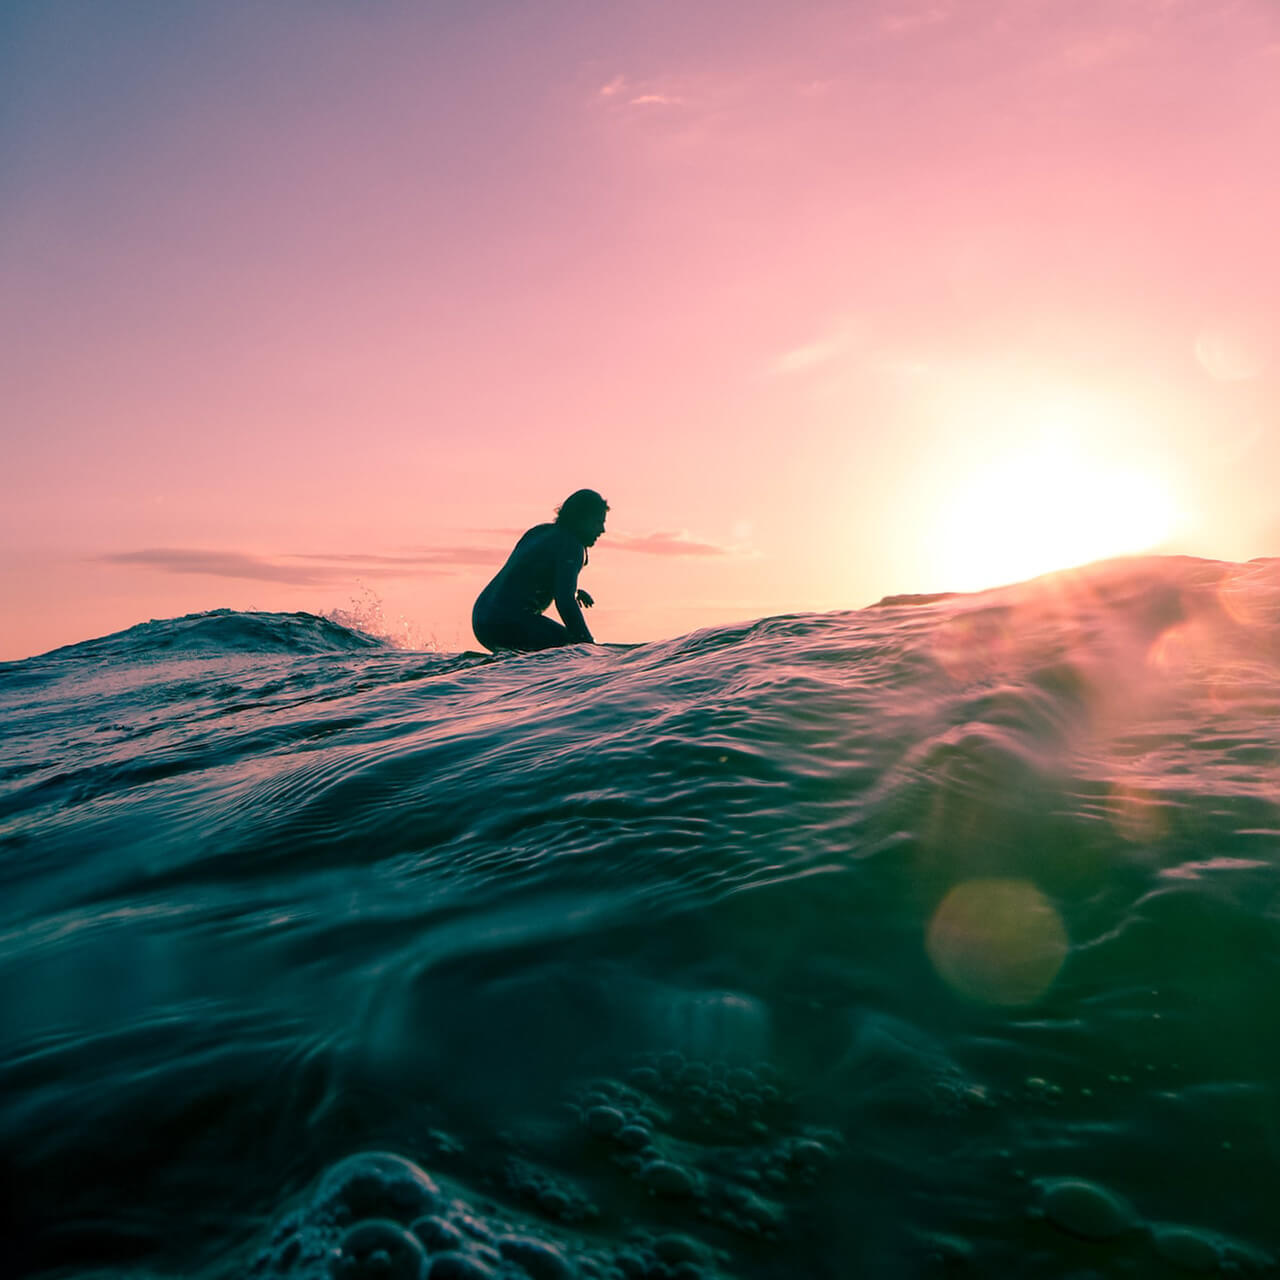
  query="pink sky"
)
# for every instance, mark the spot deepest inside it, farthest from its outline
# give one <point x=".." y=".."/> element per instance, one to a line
<point x="831" y="301"/>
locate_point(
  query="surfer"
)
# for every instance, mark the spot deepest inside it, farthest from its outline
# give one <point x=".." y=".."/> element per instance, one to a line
<point x="544" y="566"/>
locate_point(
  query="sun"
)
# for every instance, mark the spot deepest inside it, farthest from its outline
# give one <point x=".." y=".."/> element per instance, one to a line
<point x="1050" y="504"/>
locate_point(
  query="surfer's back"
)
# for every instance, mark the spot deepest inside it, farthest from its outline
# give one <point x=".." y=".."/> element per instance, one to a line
<point x="526" y="582"/>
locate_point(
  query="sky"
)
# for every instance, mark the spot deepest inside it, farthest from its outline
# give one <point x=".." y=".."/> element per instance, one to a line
<point x="317" y="306"/>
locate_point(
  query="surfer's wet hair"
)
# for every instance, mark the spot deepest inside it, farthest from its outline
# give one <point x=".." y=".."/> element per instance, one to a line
<point x="580" y="506"/>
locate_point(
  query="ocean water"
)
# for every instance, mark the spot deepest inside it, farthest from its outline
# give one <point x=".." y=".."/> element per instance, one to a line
<point x="937" y="938"/>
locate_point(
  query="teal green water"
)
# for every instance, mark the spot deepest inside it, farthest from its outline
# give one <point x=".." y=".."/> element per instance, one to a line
<point x="939" y="937"/>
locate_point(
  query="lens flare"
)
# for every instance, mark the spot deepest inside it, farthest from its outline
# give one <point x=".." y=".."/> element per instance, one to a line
<point x="1137" y="815"/>
<point x="1173" y="651"/>
<point x="1246" y="601"/>
<point x="997" y="941"/>
<point x="1232" y="351"/>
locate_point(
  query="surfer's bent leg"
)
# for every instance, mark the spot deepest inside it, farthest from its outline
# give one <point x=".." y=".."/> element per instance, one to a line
<point x="523" y="633"/>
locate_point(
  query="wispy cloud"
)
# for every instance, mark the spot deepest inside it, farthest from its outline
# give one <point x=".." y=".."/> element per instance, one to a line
<point x="822" y="350"/>
<point x="622" y="92"/>
<point x="908" y="21"/>
<point x="302" y="569"/>
<point x="654" y="99"/>
<point x="218" y="564"/>
<point x="413" y="556"/>
<point x="665" y="544"/>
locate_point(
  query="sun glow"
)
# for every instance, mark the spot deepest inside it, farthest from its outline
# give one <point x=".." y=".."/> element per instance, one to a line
<point x="1050" y="505"/>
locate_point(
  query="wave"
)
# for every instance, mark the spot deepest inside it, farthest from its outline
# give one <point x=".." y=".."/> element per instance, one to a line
<point x="935" y="934"/>
<point x="216" y="632"/>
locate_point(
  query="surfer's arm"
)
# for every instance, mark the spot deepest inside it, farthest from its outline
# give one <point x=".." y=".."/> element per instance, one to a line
<point x="568" y="564"/>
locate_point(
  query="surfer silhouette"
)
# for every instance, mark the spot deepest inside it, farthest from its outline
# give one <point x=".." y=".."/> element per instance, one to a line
<point x="543" y="567"/>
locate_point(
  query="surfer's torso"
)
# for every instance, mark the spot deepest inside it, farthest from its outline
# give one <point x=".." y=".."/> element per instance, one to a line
<point x="543" y="567"/>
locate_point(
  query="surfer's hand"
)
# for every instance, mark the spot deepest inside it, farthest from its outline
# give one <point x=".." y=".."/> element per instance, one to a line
<point x="584" y="599"/>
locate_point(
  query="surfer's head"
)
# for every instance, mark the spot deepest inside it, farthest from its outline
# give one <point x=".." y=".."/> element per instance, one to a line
<point x="583" y="513"/>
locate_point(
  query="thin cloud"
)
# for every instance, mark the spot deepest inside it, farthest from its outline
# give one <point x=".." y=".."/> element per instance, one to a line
<point x="905" y="22"/>
<point x="415" y="556"/>
<point x="355" y="558"/>
<point x="808" y="357"/>
<point x="822" y="351"/>
<point x="218" y="564"/>
<point x="622" y="92"/>
<point x="664" y="544"/>
<point x="318" y="571"/>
